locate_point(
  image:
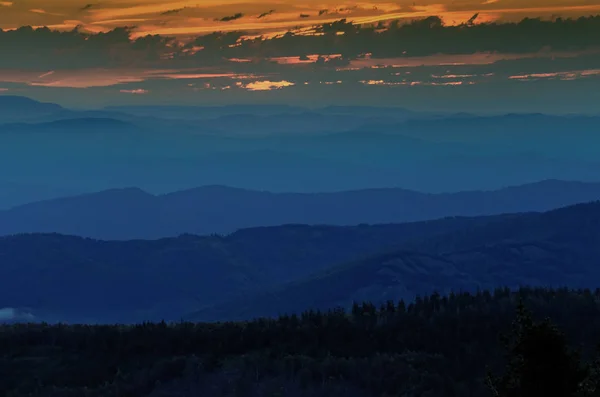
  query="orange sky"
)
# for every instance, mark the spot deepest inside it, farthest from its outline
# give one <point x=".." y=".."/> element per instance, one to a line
<point x="194" y="17"/>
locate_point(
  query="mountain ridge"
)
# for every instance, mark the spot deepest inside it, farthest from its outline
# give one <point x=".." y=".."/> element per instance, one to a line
<point x="543" y="254"/>
<point x="266" y="271"/>
<point x="132" y="213"/>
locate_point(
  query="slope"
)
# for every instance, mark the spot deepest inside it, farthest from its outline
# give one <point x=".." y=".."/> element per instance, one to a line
<point x="556" y="248"/>
<point x="71" y="278"/>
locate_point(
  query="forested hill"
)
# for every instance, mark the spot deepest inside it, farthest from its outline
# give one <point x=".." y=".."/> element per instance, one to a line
<point x="557" y="248"/>
<point x="66" y="278"/>
<point x="434" y="346"/>
<point x="273" y="270"/>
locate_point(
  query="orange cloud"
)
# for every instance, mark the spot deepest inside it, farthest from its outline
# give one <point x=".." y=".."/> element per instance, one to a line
<point x="568" y="75"/>
<point x="73" y="79"/>
<point x="193" y="26"/>
<point x="193" y="17"/>
<point x="267" y="85"/>
<point x="88" y="78"/>
<point x="481" y="58"/>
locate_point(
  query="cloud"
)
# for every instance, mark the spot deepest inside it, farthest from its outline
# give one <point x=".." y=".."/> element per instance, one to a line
<point x="173" y="12"/>
<point x="7" y="313"/>
<point x="43" y="75"/>
<point x="200" y="17"/>
<point x="267" y="85"/>
<point x="565" y="76"/>
<point x="137" y="91"/>
<point x="6" y="3"/>
<point x="89" y="78"/>
<point x="265" y="14"/>
<point x="230" y="18"/>
<point x="12" y="314"/>
<point x="43" y="12"/>
<point x="112" y="49"/>
<point x="324" y="61"/>
<point x="118" y="48"/>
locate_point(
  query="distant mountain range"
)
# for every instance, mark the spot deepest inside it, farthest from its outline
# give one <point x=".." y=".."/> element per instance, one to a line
<point x="281" y="148"/>
<point x="16" y="108"/>
<point x="123" y="214"/>
<point x="258" y="119"/>
<point x="271" y="270"/>
<point x="14" y="194"/>
<point x="196" y="112"/>
<point x="113" y="255"/>
<point x="79" y="124"/>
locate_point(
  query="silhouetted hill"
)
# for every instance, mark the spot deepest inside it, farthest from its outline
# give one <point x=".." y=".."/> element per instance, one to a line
<point x="199" y="112"/>
<point x="69" y="277"/>
<point x="80" y="125"/>
<point x="283" y="149"/>
<point x="271" y="270"/>
<point x="436" y="345"/>
<point x="369" y="110"/>
<point x="526" y="128"/>
<point x="13" y="194"/>
<point x="13" y="108"/>
<point x="131" y="213"/>
<point x="557" y="248"/>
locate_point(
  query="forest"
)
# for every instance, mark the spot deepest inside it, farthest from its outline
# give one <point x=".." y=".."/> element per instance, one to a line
<point x="525" y="342"/>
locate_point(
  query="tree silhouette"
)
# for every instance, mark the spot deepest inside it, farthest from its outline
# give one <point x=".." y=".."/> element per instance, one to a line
<point x="540" y="363"/>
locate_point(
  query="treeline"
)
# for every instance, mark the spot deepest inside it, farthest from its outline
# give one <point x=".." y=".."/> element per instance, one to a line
<point x="434" y="346"/>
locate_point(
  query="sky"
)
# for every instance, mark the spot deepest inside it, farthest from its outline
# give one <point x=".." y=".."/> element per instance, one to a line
<point x="402" y="53"/>
<point x="194" y="17"/>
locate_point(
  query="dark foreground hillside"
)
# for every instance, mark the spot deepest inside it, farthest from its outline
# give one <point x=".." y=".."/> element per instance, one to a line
<point x="72" y="279"/>
<point x="436" y="346"/>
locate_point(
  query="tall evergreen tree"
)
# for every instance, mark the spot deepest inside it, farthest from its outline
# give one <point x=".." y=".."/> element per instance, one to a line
<point x="540" y="362"/>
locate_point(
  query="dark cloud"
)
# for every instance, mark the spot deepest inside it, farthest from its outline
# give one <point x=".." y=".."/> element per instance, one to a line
<point x="472" y="20"/>
<point x="173" y="12"/>
<point x="304" y="16"/>
<point x="323" y="12"/>
<point x="87" y="7"/>
<point x="429" y="36"/>
<point x="265" y="14"/>
<point x="217" y="42"/>
<point x="231" y="17"/>
<point x="47" y="49"/>
<point x="347" y="9"/>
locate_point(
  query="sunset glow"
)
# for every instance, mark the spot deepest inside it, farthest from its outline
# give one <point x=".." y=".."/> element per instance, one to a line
<point x="267" y="85"/>
<point x="186" y="17"/>
<point x="571" y="75"/>
<point x="190" y="51"/>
